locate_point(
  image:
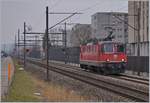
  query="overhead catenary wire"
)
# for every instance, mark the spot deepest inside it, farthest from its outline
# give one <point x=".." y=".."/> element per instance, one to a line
<point x="125" y="22"/>
<point x="82" y="10"/>
<point x="88" y="8"/>
<point x="37" y="22"/>
<point x="63" y="20"/>
<point x="93" y="6"/>
<point x="57" y="2"/>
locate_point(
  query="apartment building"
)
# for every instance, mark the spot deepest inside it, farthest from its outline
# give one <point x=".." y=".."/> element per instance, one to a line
<point x="103" y="22"/>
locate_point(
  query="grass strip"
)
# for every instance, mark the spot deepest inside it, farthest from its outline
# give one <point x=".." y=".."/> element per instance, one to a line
<point x="22" y="88"/>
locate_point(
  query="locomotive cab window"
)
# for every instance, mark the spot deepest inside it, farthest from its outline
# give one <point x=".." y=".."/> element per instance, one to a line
<point x="107" y="47"/>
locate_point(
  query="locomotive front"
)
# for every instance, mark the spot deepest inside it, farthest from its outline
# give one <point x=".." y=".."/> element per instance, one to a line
<point x="113" y="55"/>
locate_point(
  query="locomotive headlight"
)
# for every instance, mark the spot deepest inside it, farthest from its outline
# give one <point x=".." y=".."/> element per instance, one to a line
<point x="123" y="60"/>
<point x="107" y="60"/>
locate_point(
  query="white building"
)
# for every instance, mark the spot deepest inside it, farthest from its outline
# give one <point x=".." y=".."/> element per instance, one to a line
<point x="102" y="22"/>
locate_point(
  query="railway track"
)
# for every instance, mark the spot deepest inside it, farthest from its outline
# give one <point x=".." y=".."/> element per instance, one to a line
<point x="122" y="76"/>
<point x="134" y="79"/>
<point x="132" y="93"/>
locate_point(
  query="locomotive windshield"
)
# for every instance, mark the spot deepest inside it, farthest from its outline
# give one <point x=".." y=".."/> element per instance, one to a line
<point x="107" y="47"/>
<point x="112" y="47"/>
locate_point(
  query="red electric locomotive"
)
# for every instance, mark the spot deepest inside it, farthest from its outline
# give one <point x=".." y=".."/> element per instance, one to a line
<point x="107" y="57"/>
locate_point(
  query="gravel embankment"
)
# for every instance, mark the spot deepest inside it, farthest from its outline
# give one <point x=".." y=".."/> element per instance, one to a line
<point x="90" y="92"/>
<point x="114" y="80"/>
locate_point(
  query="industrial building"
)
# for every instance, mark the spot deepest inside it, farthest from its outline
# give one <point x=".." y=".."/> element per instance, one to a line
<point x="139" y="34"/>
<point x="56" y="39"/>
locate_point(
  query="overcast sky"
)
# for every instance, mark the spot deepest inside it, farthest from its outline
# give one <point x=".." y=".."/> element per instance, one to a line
<point x="15" y="12"/>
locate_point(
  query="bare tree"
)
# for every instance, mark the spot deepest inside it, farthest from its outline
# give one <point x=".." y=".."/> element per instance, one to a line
<point x="80" y="34"/>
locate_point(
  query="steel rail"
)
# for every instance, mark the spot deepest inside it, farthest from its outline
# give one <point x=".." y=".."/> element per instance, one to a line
<point x="144" y="82"/>
<point x="134" y="77"/>
<point x="121" y="76"/>
<point x="134" y="94"/>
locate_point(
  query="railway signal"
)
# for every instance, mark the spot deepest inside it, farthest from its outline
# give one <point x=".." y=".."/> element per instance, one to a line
<point x="27" y="50"/>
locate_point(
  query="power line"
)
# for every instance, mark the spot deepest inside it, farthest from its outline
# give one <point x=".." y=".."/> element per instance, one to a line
<point x="63" y="20"/>
<point x="43" y="14"/>
<point x="125" y="22"/>
<point x="88" y="8"/>
<point x="58" y="1"/>
<point x="93" y="6"/>
<point x="63" y="13"/>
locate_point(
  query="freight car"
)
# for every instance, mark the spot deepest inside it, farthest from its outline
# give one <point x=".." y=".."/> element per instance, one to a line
<point x="107" y="57"/>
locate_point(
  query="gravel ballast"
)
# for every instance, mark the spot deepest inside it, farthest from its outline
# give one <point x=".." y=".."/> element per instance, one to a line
<point x="90" y="92"/>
